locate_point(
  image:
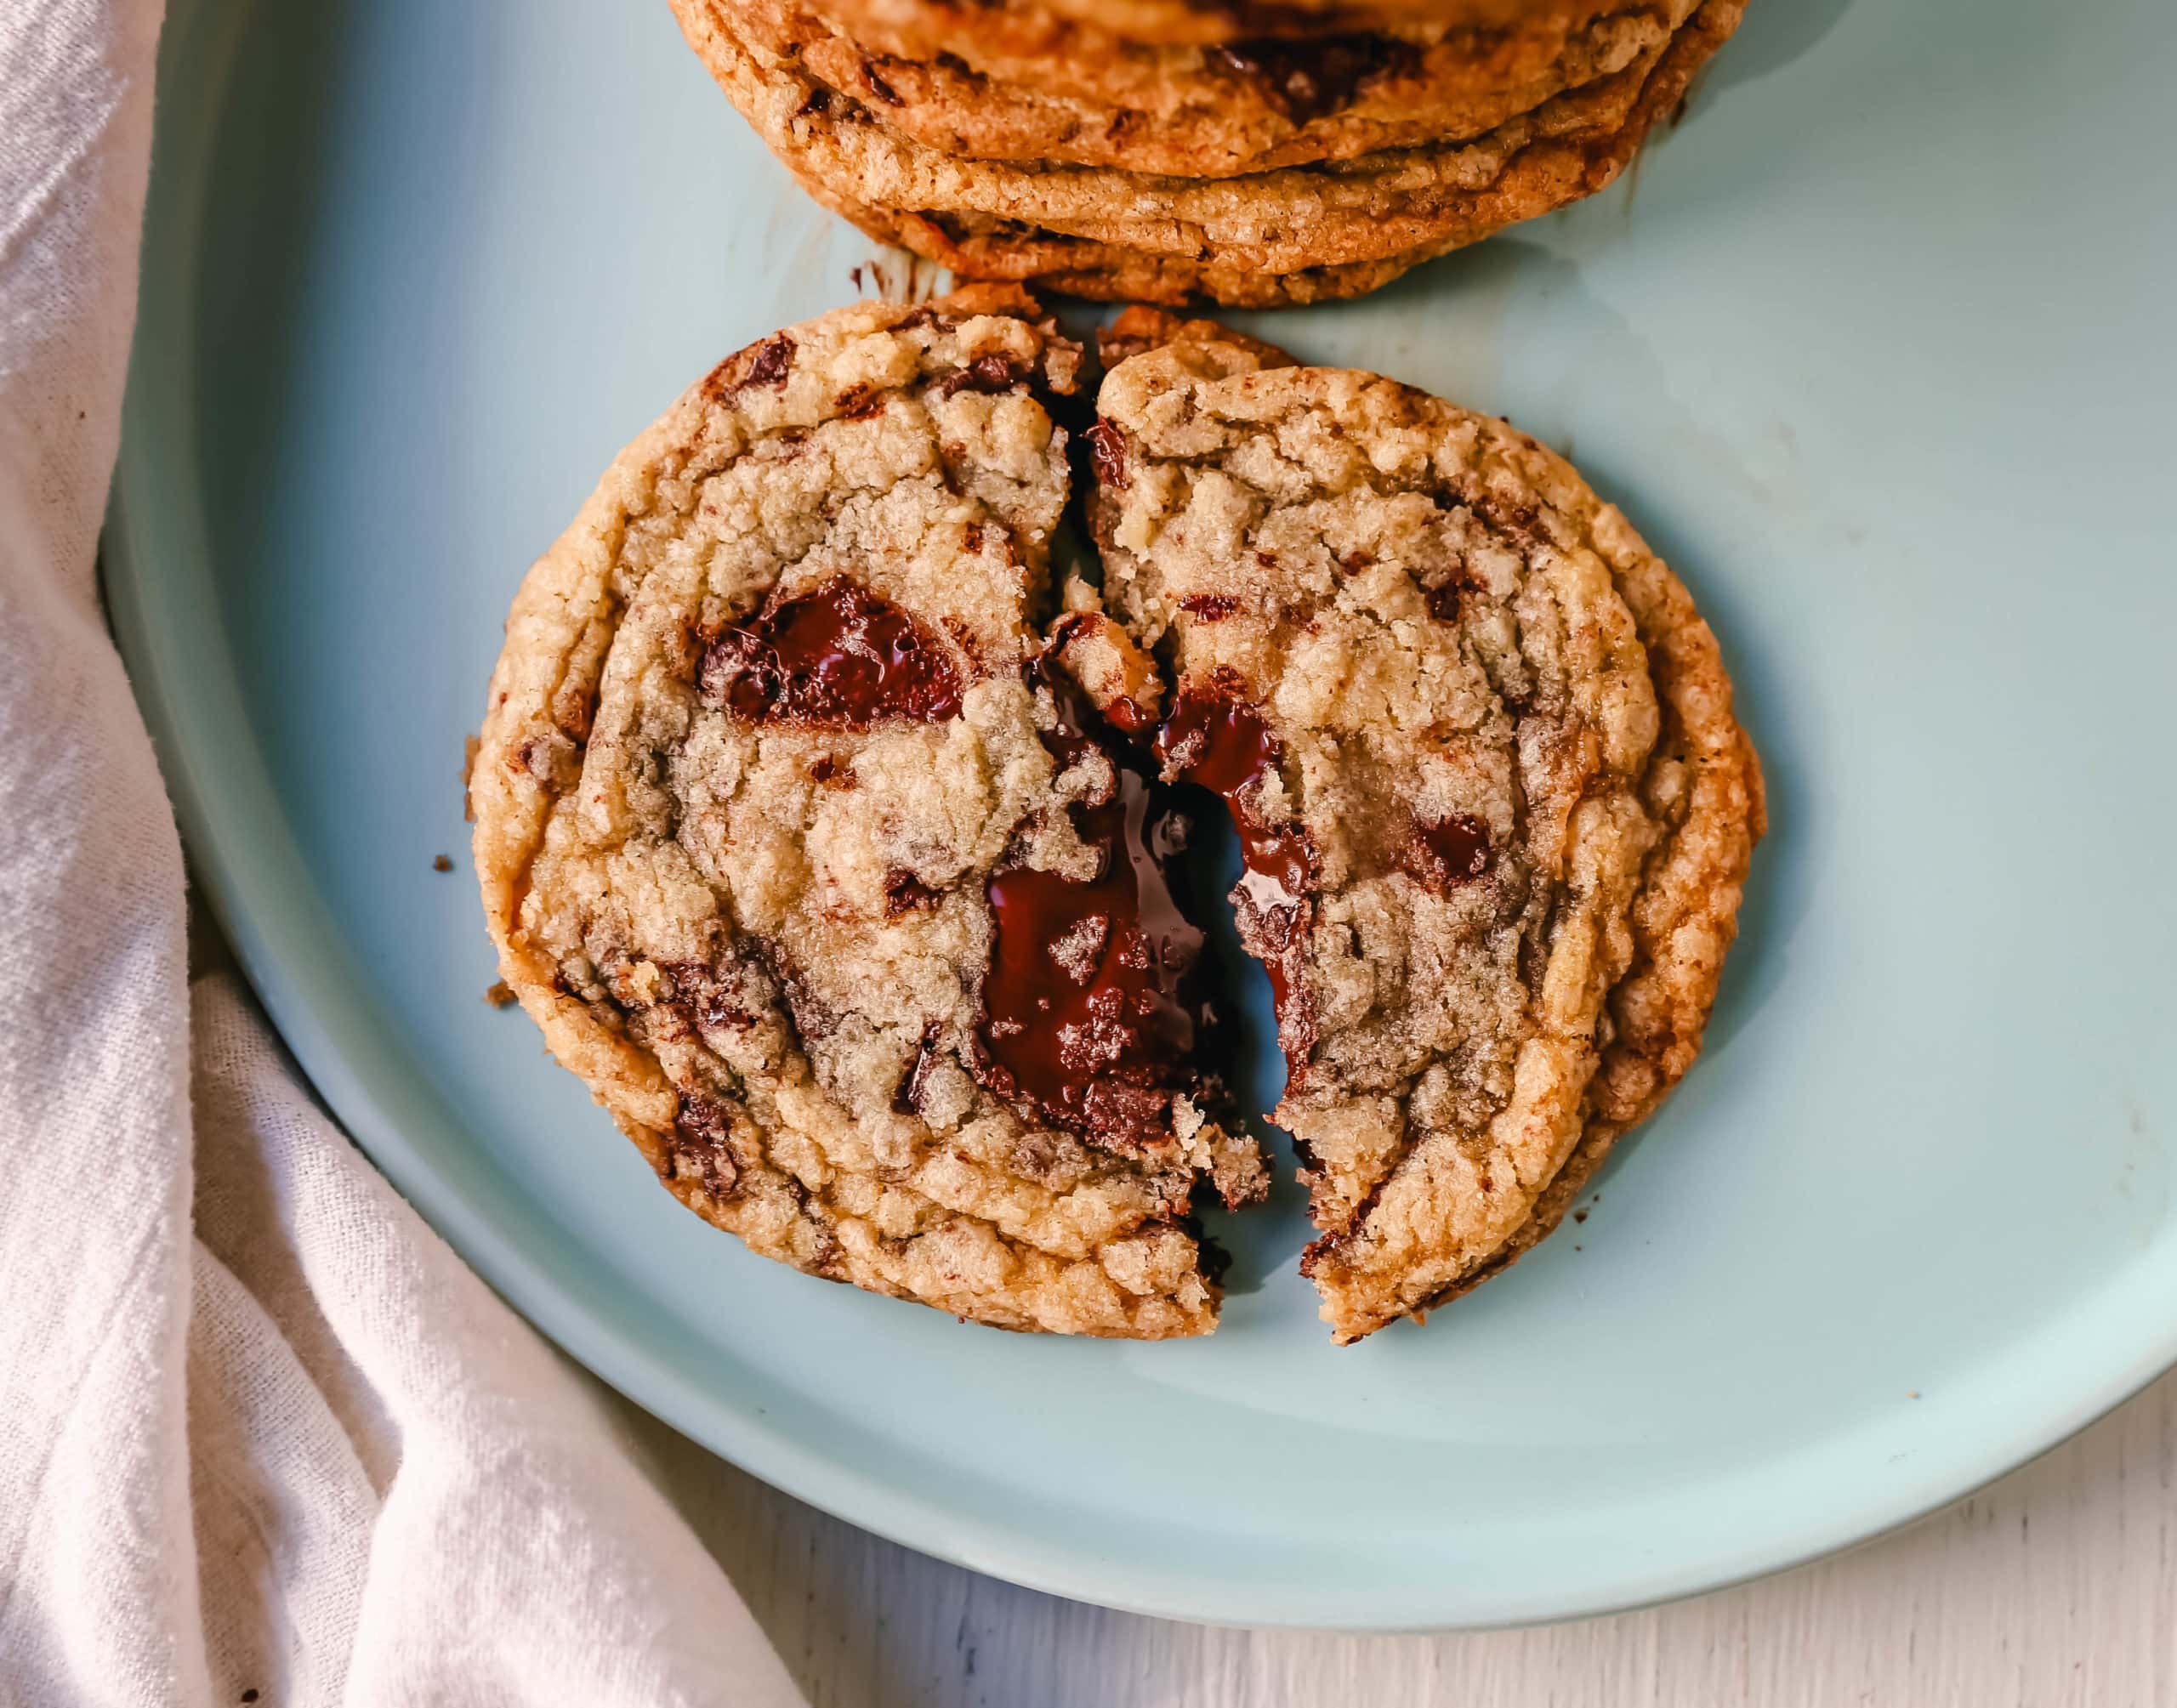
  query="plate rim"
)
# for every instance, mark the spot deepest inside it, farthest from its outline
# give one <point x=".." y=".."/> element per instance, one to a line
<point x="221" y="790"/>
<point x="551" y="1307"/>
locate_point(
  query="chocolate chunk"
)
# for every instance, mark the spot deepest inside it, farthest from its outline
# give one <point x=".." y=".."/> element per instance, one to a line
<point x="878" y="87"/>
<point x="904" y="893"/>
<point x="728" y="997"/>
<point x="703" y="1136"/>
<point x="1215" y="738"/>
<point x="1091" y="1005"/>
<point x="989" y="373"/>
<point x="1128" y="715"/>
<point x="858" y="402"/>
<point x="766" y="362"/>
<point x="1444" y="853"/>
<point x="1305" y="81"/>
<point x="774" y="361"/>
<point x="1209" y="607"/>
<point x="840" y="657"/>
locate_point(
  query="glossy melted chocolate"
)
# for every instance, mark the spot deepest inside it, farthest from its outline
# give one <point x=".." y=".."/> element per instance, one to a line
<point x="1216" y="740"/>
<point x="840" y="656"/>
<point x="1091" y="1012"/>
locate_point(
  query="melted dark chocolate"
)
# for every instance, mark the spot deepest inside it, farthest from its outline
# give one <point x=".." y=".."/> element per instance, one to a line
<point x="1216" y="740"/>
<point x="1091" y="1013"/>
<point x="1444" y="853"/>
<point x="840" y="656"/>
<point x="1220" y="742"/>
<point x="1130" y="716"/>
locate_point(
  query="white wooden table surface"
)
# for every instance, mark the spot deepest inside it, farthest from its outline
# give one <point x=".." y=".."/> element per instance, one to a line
<point x="2057" y="1585"/>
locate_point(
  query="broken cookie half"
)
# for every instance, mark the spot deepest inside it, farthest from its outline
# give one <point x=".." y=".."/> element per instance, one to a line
<point x="826" y="835"/>
<point x="808" y="854"/>
<point x="1494" y="811"/>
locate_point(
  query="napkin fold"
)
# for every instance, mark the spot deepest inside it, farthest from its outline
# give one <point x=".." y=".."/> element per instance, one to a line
<point x="260" y="1430"/>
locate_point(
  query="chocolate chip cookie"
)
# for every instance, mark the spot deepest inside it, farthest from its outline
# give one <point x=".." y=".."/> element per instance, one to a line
<point x="806" y="835"/>
<point x="828" y="834"/>
<point x="1213" y="23"/>
<point x="1294" y="233"/>
<point x="1494" y="809"/>
<point x="956" y="80"/>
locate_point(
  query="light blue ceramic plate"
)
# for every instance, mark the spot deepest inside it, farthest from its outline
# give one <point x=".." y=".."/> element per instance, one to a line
<point x="1877" y="349"/>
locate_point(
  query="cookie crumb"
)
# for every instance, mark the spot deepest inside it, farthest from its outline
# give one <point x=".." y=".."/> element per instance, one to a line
<point x="442" y="863"/>
<point x="501" y="995"/>
<point x="1579" y="1214"/>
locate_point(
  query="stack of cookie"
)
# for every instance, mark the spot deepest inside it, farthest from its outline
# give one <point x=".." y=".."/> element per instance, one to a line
<point x="1162" y="150"/>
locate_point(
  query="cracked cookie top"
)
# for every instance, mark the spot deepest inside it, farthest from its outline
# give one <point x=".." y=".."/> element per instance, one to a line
<point x="1494" y="809"/>
<point x="809" y="854"/>
<point x="826" y="836"/>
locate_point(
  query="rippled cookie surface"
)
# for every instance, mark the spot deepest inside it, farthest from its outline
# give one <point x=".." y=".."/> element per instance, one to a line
<point x="796" y="831"/>
<point x="1495" y="810"/>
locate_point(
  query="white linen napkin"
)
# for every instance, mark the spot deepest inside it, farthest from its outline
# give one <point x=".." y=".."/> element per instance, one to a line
<point x="263" y="1437"/>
